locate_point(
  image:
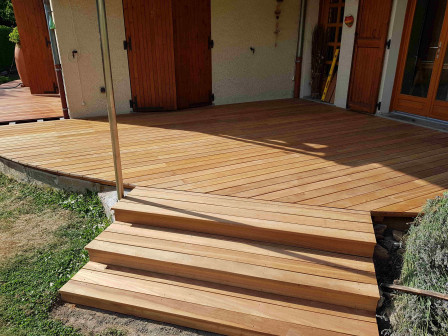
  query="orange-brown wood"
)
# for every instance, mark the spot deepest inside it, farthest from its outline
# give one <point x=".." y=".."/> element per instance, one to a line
<point x="368" y="55"/>
<point x="292" y="151"/>
<point x="35" y="42"/>
<point x="149" y="34"/>
<point x="17" y="104"/>
<point x="193" y="61"/>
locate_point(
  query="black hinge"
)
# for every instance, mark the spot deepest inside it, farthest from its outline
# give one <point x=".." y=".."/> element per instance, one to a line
<point x="378" y="106"/>
<point x="127" y="45"/>
<point x="212" y="97"/>
<point x="389" y="41"/>
<point x="211" y="43"/>
<point x="131" y="103"/>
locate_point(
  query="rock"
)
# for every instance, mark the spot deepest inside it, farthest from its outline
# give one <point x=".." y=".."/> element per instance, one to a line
<point x="379" y="229"/>
<point x="381" y="253"/>
<point x="388" y="243"/>
<point x="398" y="235"/>
<point x="380" y="302"/>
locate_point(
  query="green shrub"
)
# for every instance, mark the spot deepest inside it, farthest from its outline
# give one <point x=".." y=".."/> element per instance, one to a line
<point x="6" y="48"/>
<point x="14" y="36"/>
<point x="425" y="266"/>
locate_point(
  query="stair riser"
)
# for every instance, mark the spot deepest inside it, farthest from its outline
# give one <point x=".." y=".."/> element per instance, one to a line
<point x="119" y="307"/>
<point x="352" y="247"/>
<point x="320" y="294"/>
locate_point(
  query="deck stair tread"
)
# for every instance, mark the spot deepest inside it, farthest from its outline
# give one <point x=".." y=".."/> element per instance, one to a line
<point x="336" y="230"/>
<point x="223" y="309"/>
<point x="207" y="262"/>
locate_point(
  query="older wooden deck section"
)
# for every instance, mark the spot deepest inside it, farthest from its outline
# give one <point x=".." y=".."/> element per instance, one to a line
<point x="19" y="105"/>
<point x="288" y="151"/>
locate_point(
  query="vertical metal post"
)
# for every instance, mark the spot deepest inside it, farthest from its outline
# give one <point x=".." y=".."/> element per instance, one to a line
<point x="102" y="22"/>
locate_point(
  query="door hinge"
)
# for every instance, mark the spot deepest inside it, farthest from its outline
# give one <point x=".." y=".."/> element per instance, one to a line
<point x="389" y="41"/>
<point x="211" y="43"/>
<point x="133" y="103"/>
<point x="127" y="45"/>
<point x="212" y="97"/>
<point x="378" y="106"/>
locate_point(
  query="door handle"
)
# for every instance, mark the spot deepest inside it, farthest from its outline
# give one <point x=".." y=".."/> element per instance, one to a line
<point x="438" y="49"/>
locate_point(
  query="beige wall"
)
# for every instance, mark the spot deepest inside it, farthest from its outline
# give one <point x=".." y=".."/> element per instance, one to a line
<point x="238" y="74"/>
<point x="77" y="29"/>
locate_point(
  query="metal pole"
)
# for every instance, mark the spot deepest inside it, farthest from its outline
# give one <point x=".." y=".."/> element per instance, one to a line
<point x="299" y="55"/>
<point x="102" y="21"/>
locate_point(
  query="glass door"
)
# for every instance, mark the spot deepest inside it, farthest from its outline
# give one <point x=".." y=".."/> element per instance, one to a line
<point x="420" y="62"/>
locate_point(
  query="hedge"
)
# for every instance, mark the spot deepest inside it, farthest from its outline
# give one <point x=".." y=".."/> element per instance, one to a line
<point x="6" y="48"/>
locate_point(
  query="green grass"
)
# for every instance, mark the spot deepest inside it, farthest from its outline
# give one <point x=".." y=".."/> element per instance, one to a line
<point x="30" y="280"/>
<point x="425" y="266"/>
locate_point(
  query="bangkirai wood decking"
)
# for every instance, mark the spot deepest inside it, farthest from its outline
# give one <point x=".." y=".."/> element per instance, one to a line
<point x="233" y="266"/>
<point x="17" y="104"/>
<point x="291" y="151"/>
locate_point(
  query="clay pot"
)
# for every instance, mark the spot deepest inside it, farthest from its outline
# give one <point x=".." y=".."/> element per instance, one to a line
<point x="20" y="64"/>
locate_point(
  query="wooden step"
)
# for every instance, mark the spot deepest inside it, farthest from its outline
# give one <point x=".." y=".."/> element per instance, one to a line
<point x="328" y="229"/>
<point x="297" y="272"/>
<point x="216" y="308"/>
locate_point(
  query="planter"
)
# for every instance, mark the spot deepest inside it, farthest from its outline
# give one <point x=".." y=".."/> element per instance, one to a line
<point x="20" y="64"/>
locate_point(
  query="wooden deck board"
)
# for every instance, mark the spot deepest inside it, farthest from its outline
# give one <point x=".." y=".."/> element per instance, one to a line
<point x="290" y="151"/>
<point x="18" y="105"/>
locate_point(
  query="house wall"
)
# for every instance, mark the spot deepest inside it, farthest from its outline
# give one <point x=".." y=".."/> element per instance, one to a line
<point x="311" y="20"/>
<point x="240" y="75"/>
<point x="77" y="29"/>
<point x="391" y="58"/>
<point x="346" y="55"/>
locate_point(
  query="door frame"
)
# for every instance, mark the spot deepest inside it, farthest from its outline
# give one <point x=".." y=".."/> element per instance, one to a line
<point x="412" y="104"/>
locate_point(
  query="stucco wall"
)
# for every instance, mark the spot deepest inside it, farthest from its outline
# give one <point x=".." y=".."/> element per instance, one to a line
<point x="346" y="55"/>
<point x="311" y="20"/>
<point x="240" y="75"/>
<point x="391" y="58"/>
<point x="77" y="29"/>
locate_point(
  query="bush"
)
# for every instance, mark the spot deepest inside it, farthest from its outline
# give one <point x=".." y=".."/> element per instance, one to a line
<point x="6" y="48"/>
<point x="425" y="266"/>
<point x="14" y="36"/>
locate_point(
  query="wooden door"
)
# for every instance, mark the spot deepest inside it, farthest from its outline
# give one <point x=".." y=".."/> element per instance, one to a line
<point x="149" y="34"/>
<point x="35" y="42"/>
<point x="192" y="50"/>
<point x="421" y="80"/>
<point x="368" y="54"/>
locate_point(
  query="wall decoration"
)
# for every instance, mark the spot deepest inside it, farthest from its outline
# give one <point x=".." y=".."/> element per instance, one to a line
<point x="349" y="20"/>
<point x="277" y="13"/>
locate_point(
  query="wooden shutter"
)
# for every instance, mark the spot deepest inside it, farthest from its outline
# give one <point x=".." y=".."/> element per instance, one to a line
<point x="368" y="55"/>
<point x="35" y="42"/>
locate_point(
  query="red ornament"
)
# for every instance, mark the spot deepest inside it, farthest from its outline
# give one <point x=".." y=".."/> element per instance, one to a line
<point x="349" y="20"/>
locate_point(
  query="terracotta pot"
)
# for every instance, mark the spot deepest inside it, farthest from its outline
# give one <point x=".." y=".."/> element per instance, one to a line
<point x="20" y="64"/>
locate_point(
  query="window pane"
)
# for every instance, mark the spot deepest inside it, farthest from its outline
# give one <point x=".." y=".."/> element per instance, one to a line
<point x="423" y="46"/>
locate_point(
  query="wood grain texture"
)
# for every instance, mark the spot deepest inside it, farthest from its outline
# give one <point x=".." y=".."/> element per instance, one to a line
<point x="35" y="41"/>
<point x="18" y="105"/>
<point x="368" y="55"/>
<point x="291" y="151"/>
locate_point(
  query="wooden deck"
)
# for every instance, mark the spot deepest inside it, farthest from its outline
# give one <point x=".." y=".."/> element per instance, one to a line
<point x="290" y="151"/>
<point x="17" y="104"/>
<point x="233" y="266"/>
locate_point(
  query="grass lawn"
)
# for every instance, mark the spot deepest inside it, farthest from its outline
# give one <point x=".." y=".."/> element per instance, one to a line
<point x="42" y="237"/>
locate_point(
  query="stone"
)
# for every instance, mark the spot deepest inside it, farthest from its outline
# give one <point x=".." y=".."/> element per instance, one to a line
<point x="379" y="229"/>
<point x="381" y="253"/>
<point x="398" y="235"/>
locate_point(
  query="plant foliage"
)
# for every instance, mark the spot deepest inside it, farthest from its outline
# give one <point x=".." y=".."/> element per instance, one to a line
<point x="425" y="266"/>
<point x="29" y="282"/>
<point x="14" y="36"/>
<point x="7" y="13"/>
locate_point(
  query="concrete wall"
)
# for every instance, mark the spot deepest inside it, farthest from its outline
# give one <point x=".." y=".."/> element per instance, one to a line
<point x="240" y="75"/>
<point x="77" y="29"/>
<point x="391" y="58"/>
<point x="311" y="20"/>
<point x="346" y="55"/>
